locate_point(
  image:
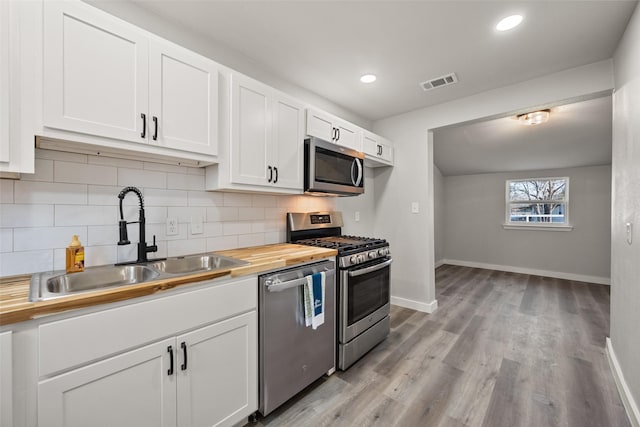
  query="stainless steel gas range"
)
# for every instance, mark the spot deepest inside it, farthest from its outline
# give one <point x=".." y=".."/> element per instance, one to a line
<point x="363" y="281"/>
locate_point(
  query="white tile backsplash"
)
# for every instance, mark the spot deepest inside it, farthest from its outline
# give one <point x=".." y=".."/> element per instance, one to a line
<point x="39" y="214"/>
<point x="89" y="173"/>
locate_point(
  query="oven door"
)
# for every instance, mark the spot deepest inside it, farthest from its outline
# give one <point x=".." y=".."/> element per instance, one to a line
<point x="364" y="297"/>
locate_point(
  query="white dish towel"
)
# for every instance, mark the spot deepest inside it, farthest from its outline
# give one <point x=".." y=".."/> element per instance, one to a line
<point x="314" y="293"/>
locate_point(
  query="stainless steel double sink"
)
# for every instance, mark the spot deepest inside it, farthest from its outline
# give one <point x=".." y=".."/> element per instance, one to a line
<point x="48" y="285"/>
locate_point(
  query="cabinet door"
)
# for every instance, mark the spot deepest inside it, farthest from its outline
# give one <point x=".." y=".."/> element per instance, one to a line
<point x="349" y="136"/>
<point x="250" y="132"/>
<point x="288" y="142"/>
<point x="6" y="377"/>
<point x="183" y="99"/>
<point x="4" y="81"/>
<point x="378" y="150"/>
<point x="218" y="386"/>
<point x="95" y="72"/>
<point x="320" y="125"/>
<point x="131" y="389"/>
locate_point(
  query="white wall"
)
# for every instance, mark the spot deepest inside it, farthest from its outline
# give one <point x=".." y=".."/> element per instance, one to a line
<point x="221" y="54"/>
<point x="77" y="194"/>
<point x="439" y="218"/>
<point x="475" y="211"/>
<point x="625" y="258"/>
<point x="411" y="235"/>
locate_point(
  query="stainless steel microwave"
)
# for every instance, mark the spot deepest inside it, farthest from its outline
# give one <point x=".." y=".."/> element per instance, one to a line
<point x="330" y="169"/>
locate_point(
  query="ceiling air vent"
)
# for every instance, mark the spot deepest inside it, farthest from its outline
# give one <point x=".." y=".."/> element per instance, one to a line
<point x="446" y="80"/>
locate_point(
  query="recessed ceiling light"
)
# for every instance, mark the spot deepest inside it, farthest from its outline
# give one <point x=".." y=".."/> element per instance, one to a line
<point x="368" y="78"/>
<point x="509" y="22"/>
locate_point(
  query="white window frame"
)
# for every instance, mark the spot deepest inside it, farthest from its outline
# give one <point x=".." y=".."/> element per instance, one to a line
<point x="509" y="225"/>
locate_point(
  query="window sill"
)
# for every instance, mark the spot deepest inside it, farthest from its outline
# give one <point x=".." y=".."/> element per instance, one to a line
<point x="537" y="227"/>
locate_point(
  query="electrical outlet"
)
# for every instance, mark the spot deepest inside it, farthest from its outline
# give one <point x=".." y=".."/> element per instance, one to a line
<point x="357" y="216"/>
<point x="172" y="227"/>
<point x="197" y="224"/>
<point x="415" y="207"/>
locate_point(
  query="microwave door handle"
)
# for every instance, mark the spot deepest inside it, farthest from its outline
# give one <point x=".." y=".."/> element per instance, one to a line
<point x="371" y="269"/>
<point x="356" y="182"/>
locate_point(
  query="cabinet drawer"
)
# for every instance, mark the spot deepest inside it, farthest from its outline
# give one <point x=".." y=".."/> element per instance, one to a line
<point x="82" y="339"/>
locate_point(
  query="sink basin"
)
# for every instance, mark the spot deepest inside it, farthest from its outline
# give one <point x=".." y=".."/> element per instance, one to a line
<point x="56" y="284"/>
<point x="196" y="263"/>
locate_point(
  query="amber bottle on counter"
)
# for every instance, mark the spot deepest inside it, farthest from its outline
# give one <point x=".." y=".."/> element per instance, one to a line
<point x="75" y="256"/>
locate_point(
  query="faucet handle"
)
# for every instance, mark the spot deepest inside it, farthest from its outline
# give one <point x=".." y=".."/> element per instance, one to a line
<point x="154" y="247"/>
<point x="124" y="238"/>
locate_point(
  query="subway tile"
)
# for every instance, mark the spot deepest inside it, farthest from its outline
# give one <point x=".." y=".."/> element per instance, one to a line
<point x="205" y="198"/>
<point x="61" y="155"/>
<point x="237" y="199"/>
<point x="210" y="229"/>
<point x="248" y="214"/>
<point x="186" y="247"/>
<point x="28" y="239"/>
<point x="161" y="167"/>
<point x="86" y="174"/>
<point x="219" y="213"/>
<point x="26" y="216"/>
<point x="107" y="195"/>
<point x="27" y="262"/>
<point x="50" y="193"/>
<point x="264" y="201"/>
<point x="221" y="243"/>
<point x="66" y="215"/>
<point x="43" y="171"/>
<point x="178" y="181"/>
<point x="266" y="226"/>
<point x="254" y="239"/>
<point x="158" y="197"/>
<point x="98" y="235"/>
<point x="111" y="161"/>
<point x="196" y="171"/>
<point x="236" y="227"/>
<point x="184" y="214"/>
<point x="153" y="214"/>
<point x="6" y="240"/>
<point x="141" y="178"/>
<point x="100" y="255"/>
<point x="60" y="259"/>
<point x="273" y="237"/>
<point x="6" y="190"/>
<point x="275" y="214"/>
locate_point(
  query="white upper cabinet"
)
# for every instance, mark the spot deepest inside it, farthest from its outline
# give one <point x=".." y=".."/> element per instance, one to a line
<point x="263" y="150"/>
<point x="378" y="150"/>
<point x="183" y="99"/>
<point x="333" y="129"/>
<point x="109" y="79"/>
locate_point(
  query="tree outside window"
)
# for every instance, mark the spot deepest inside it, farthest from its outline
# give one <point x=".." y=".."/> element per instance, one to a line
<point x="542" y="201"/>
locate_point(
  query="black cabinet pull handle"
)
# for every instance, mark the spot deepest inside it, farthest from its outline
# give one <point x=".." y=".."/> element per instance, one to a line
<point x="338" y="134"/>
<point x="333" y="135"/>
<point x="170" y="350"/>
<point x="183" y="345"/>
<point x="155" y="128"/>
<point x="144" y="125"/>
<point x="379" y="150"/>
<point x="270" y="169"/>
<point x="275" y="180"/>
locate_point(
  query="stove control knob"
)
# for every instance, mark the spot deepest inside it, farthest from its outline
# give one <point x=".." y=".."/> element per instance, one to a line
<point x="372" y="254"/>
<point x="382" y="252"/>
<point x="353" y="259"/>
<point x="362" y="258"/>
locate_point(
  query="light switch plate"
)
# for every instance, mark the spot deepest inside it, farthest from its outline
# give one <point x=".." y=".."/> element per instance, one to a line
<point x="172" y="227"/>
<point x="629" y="226"/>
<point x="197" y="226"/>
<point x="357" y="216"/>
<point x="415" y="207"/>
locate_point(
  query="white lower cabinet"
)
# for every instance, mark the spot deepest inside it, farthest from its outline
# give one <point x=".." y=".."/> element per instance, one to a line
<point x="201" y="368"/>
<point x="6" y="379"/>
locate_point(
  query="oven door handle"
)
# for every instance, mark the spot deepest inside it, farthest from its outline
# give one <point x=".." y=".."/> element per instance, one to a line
<point x="282" y="286"/>
<point x="371" y="269"/>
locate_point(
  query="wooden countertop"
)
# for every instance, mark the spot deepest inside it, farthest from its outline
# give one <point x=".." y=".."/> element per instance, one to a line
<point x="14" y="291"/>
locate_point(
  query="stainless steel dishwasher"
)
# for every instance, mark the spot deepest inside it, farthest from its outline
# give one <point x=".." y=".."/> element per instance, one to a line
<point x="293" y="355"/>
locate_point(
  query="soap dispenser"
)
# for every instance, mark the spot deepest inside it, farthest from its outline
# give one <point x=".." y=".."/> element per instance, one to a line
<point x="75" y="256"/>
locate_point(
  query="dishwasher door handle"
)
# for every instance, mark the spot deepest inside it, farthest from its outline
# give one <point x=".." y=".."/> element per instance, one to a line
<point x="371" y="269"/>
<point x="282" y="286"/>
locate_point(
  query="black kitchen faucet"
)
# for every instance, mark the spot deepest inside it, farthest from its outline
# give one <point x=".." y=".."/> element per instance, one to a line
<point x="143" y="248"/>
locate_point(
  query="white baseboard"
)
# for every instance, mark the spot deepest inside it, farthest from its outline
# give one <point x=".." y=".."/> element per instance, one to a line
<point x="439" y="263"/>
<point x="533" y="271"/>
<point x="425" y="307"/>
<point x="625" y="394"/>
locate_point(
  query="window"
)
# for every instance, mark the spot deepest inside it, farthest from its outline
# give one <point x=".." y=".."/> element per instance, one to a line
<point x="537" y="202"/>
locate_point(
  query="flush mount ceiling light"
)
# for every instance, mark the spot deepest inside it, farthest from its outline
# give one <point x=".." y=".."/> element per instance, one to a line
<point x="368" y="78"/>
<point x="509" y="22"/>
<point x="534" y="117"/>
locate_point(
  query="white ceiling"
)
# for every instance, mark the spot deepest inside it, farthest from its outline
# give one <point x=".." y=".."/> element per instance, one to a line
<point x="577" y="134"/>
<point x="324" y="46"/>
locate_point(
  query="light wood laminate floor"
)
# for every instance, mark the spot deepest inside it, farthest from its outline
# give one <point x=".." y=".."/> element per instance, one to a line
<point x="503" y="349"/>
